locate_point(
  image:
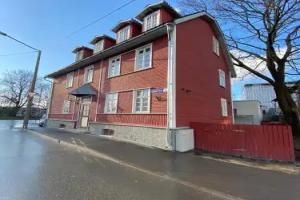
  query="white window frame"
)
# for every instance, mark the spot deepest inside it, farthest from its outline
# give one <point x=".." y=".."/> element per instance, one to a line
<point x="126" y="37"/>
<point x="136" y="68"/>
<point x="69" y="79"/>
<point x="66" y="107"/>
<point x="145" y="24"/>
<point x="134" y="101"/>
<point x="107" y="102"/>
<point x="86" y="80"/>
<point x="79" y="55"/>
<point x="99" y="46"/>
<point x="222" y="78"/>
<point x="110" y="67"/>
<point x="224" y="107"/>
<point x="216" y="46"/>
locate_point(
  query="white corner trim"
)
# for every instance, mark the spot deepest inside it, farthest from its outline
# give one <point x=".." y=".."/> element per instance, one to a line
<point x="171" y="76"/>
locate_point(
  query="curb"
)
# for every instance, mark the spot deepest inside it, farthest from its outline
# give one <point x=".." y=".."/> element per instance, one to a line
<point x="97" y="154"/>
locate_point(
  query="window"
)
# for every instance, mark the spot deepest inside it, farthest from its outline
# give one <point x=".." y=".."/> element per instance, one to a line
<point x="79" y="55"/>
<point x="111" y="102"/>
<point x="123" y="34"/>
<point x="224" y="107"/>
<point x="141" y="100"/>
<point x="216" y="46"/>
<point x="99" y="46"/>
<point x="151" y="20"/>
<point x="66" y="107"/>
<point x="114" y="67"/>
<point x="143" y="57"/>
<point x="70" y="78"/>
<point x="88" y="74"/>
<point x="222" y="80"/>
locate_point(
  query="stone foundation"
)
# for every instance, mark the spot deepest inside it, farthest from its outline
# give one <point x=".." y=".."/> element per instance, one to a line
<point x="182" y="138"/>
<point x="60" y="123"/>
<point x="147" y="136"/>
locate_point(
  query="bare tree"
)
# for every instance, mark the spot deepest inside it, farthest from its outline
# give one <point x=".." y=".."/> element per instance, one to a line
<point x="14" y="86"/>
<point x="266" y="32"/>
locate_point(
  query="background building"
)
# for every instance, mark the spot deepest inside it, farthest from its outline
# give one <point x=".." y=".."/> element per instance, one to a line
<point x="247" y="112"/>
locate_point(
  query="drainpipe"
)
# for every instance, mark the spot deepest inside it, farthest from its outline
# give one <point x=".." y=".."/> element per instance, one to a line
<point x="170" y="100"/>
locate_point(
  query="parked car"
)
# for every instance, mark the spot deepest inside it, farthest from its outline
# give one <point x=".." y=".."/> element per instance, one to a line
<point x="43" y="121"/>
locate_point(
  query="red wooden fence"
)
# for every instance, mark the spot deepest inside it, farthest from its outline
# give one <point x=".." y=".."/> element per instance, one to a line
<point x="269" y="142"/>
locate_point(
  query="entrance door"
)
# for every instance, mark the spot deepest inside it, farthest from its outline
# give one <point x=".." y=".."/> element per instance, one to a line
<point x="85" y="111"/>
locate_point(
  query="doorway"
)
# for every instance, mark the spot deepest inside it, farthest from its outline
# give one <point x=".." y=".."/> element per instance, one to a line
<point x="85" y="111"/>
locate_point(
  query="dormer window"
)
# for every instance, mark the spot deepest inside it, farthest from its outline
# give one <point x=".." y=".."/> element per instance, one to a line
<point x="123" y="34"/>
<point x="152" y="20"/>
<point x="79" y="55"/>
<point x="99" y="46"/>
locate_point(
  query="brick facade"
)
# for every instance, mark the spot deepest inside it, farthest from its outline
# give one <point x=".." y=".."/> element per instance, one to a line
<point x="197" y="91"/>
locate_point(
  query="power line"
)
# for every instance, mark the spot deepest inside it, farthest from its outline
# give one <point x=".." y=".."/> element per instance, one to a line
<point x="19" y="53"/>
<point x="99" y="19"/>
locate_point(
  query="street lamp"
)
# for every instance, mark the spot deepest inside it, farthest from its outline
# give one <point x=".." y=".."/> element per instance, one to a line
<point x="33" y="81"/>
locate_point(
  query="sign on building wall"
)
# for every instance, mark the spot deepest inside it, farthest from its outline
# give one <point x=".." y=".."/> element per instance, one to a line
<point x="158" y="90"/>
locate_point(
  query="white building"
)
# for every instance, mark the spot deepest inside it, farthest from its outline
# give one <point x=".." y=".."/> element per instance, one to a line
<point x="265" y="94"/>
<point x="247" y="112"/>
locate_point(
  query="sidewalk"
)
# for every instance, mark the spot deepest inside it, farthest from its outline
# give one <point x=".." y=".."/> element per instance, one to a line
<point x="237" y="180"/>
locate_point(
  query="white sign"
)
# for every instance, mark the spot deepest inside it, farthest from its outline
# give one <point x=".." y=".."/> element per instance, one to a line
<point x="159" y="90"/>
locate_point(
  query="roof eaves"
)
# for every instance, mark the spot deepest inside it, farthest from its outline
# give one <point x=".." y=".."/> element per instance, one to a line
<point x="80" y="48"/>
<point x="129" y="21"/>
<point x="114" y="50"/>
<point x="155" y="6"/>
<point x="100" y="37"/>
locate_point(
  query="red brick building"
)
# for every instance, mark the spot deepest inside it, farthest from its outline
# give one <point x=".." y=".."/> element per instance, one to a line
<point x="162" y="72"/>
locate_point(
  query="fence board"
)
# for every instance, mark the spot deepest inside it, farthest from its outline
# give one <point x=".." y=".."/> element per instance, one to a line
<point x="269" y="142"/>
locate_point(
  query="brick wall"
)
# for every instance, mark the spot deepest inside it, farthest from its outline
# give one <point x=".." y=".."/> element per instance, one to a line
<point x="198" y="92"/>
<point x="129" y="80"/>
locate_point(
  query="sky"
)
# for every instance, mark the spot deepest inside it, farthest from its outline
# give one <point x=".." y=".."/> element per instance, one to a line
<point x="47" y="25"/>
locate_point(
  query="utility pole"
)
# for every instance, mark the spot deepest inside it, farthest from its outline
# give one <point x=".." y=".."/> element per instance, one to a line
<point x="31" y="92"/>
<point x="32" y="84"/>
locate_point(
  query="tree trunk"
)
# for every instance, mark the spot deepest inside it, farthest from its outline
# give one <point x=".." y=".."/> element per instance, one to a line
<point x="288" y="107"/>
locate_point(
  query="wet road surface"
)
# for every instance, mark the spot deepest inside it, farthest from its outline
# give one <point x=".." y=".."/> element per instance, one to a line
<point x="32" y="168"/>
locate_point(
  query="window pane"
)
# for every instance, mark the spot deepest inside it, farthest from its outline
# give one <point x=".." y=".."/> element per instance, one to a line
<point x="143" y="58"/>
<point x="141" y="100"/>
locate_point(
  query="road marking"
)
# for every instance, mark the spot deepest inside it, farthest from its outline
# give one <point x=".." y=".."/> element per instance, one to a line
<point x="84" y="149"/>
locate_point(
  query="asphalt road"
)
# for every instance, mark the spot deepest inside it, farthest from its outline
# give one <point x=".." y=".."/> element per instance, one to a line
<point x="32" y="168"/>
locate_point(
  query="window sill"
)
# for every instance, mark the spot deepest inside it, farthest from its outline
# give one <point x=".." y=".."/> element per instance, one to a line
<point x="109" y="113"/>
<point x="138" y="70"/>
<point x="135" y="71"/>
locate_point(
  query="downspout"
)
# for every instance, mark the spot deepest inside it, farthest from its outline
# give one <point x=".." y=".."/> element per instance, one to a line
<point x="231" y="97"/>
<point x="170" y="100"/>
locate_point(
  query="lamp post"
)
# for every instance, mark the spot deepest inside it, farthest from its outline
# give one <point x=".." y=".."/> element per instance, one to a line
<point x="32" y="84"/>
